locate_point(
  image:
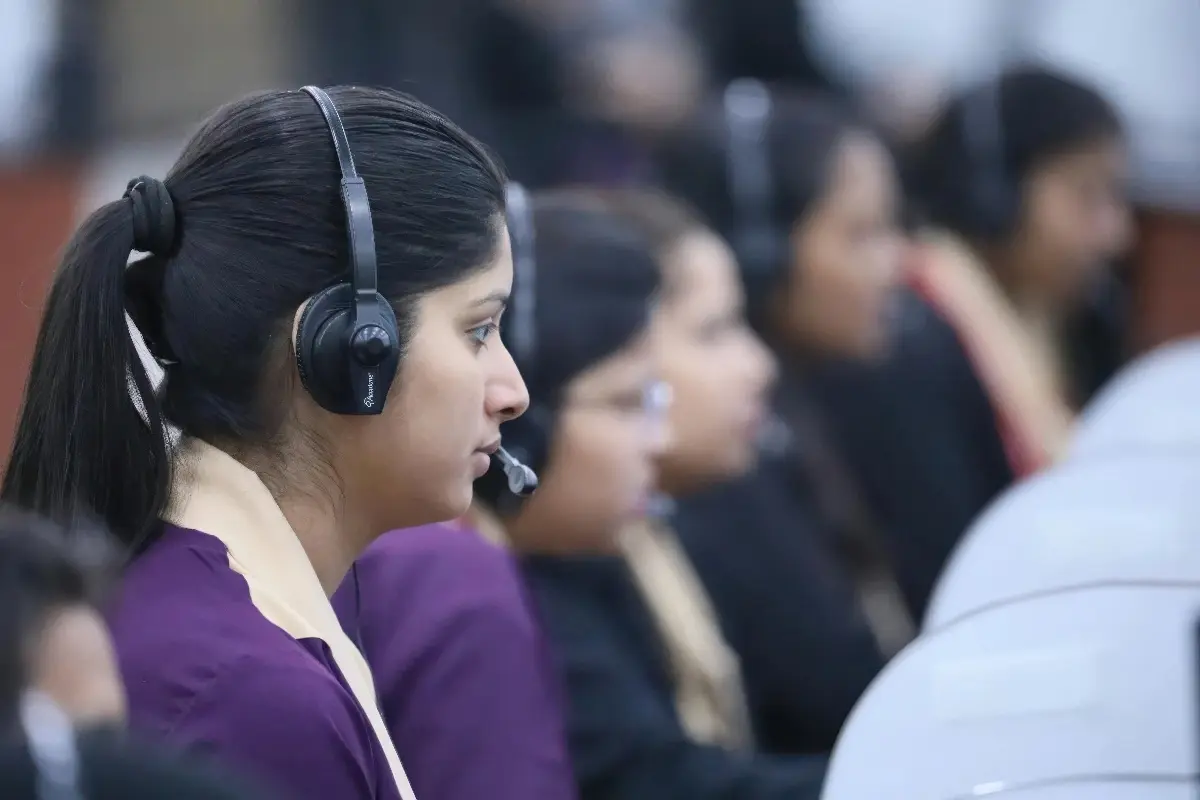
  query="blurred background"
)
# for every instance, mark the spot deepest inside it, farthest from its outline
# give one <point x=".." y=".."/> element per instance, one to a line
<point x="94" y="92"/>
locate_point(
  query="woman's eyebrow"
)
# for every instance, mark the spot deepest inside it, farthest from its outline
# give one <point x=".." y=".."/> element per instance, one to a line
<point x="499" y="297"/>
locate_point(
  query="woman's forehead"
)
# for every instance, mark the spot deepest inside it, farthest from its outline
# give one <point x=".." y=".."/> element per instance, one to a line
<point x="487" y="288"/>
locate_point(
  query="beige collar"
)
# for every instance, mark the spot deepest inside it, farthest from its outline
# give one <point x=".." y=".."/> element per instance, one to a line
<point x="488" y="525"/>
<point x="1018" y="365"/>
<point x="214" y="493"/>
<point x="709" y="695"/>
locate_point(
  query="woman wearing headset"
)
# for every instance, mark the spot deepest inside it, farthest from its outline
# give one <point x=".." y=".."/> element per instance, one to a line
<point x="921" y="435"/>
<point x="588" y="342"/>
<point x="281" y="295"/>
<point x="800" y="572"/>
<point x="1021" y="188"/>
<point x="654" y="706"/>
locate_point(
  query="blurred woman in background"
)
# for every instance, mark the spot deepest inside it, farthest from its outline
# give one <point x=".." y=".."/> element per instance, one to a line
<point x="1021" y="185"/>
<point x="799" y="568"/>
<point x="657" y="708"/>
<point x="1021" y="188"/>
<point x="584" y="326"/>
<point x="62" y="705"/>
<point x="53" y="640"/>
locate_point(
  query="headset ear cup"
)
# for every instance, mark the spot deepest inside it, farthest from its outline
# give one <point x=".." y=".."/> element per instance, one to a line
<point x="996" y="208"/>
<point x="321" y="348"/>
<point x="1008" y="213"/>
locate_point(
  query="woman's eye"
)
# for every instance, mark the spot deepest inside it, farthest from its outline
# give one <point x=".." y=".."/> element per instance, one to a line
<point x="482" y="333"/>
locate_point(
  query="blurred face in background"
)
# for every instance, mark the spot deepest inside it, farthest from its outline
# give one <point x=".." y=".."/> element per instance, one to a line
<point x="600" y="467"/>
<point x="718" y="370"/>
<point x="846" y="256"/>
<point x="73" y="662"/>
<point x="1075" y="219"/>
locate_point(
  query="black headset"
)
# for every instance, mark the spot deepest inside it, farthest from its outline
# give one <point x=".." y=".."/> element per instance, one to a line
<point x="347" y="342"/>
<point x="756" y="239"/>
<point x="995" y="200"/>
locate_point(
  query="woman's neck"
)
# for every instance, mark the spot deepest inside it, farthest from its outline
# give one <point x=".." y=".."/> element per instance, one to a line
<point x="1030" y="302"/>
<point x="329" y="538"/>
<point x="331" y="534"/>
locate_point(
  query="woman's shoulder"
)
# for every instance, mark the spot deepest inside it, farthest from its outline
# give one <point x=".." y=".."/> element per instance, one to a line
<point x="243" y="692"/>
<point x="446" y="582"/>
<point x="924" y="336"/>
<point x="184" y="622"/>
<point x="578" y="594"/>
<point x="285" y="722"/>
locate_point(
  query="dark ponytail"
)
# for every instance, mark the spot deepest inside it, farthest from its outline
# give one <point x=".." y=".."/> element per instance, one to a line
<point x="81" y="447"/>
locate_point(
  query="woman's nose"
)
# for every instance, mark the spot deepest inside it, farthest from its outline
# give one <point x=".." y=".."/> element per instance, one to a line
<point x="507" y="397"/>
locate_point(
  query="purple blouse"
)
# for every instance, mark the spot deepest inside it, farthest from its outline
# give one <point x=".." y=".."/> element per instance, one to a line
<point x="229" y="646"/>
<point x="206" y="671"/>
<point x="464" y="676"/>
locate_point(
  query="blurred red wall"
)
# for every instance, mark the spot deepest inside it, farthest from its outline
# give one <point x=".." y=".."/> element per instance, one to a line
<point x="1166" y="280"/>
<point x="37" y="213"/>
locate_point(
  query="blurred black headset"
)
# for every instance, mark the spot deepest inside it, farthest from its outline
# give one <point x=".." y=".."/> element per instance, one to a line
<point x="995" y="199"/>
<point x="347" y="341"/>
<point x="756" y="239"/>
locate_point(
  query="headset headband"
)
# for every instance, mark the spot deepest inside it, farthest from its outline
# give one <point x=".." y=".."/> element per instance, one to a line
<point x="357" y="205"/>
<point x="983" y="134"/>
<point x="369" y="340"/>
<point x="748" y="109"/>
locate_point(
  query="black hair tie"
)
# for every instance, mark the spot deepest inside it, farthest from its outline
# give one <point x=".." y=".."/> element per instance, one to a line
<point x="154" y="222"/>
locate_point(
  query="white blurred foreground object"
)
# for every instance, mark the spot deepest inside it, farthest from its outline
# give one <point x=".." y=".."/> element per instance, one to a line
<point x="1059" y="655"/>
<point x="28" y="35"/>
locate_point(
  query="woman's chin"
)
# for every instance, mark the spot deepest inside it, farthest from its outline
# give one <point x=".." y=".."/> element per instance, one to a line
<point x="738" y="460"/>
<point x="451" y="506"/>
<point x="461" y="503"/>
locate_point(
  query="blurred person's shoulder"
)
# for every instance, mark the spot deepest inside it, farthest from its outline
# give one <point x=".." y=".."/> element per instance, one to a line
<point x="580" y="590"/>
<point x="728" y="529"/>
<point x="923" y="335"/>
<point x="447" y="582"/>
<point x="438" y="545"/>
<point x="130" y="772"/>
<point x="451" y="561"/>
<point x="115" y="769"/>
